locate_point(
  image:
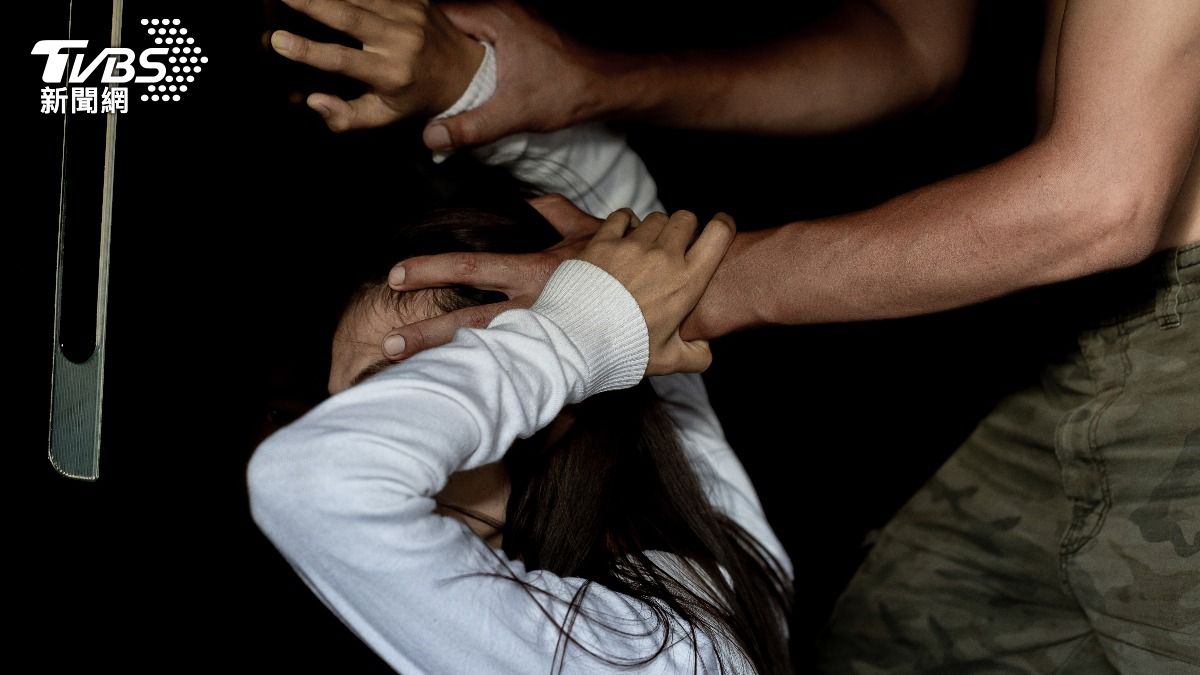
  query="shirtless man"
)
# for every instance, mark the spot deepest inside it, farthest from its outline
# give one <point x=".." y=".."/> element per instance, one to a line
<point x="1062" y="536"/>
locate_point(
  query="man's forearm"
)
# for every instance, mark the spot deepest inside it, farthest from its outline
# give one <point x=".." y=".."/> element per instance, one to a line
<point x="1035" y="218"/>
<point x="1093" y="193"/>
<point x="857" y="66"/>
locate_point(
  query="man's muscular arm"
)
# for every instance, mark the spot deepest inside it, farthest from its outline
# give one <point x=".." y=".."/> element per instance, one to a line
<point x="1090" y="195"/>
<point x="870" y="59"/>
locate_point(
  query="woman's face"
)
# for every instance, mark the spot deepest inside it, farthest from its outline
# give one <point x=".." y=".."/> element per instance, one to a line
<point x="358" y="354"/>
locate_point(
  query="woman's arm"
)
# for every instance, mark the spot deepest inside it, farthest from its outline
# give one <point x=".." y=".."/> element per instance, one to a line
<point x="345" y="492"/>
<point x="589" y="164"/>
<point x="596" y="169"/>
<point x="416" y="64"/>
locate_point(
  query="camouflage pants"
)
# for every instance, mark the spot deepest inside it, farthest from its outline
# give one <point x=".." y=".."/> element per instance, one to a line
<point x="1062" y="537"/>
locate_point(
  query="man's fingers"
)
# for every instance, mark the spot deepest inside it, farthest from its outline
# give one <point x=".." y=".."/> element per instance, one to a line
<point x="477" y="20"/>
<point x="356" y="63"/>
<point x="473" y="127"/>
<point x="678" y="231"/>
<point x="343" y="16"/>
<point x="407" y="340"/>
<point x="502" y="272"/>
<point x="712" y="244"/>
<point x="364" y="112"/>
<point x="568" y="219"/>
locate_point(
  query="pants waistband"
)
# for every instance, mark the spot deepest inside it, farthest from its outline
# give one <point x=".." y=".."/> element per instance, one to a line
<point x="1154" y="289"/>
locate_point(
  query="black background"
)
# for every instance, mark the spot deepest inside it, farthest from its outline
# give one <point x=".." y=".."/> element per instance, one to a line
<point x="230" y="208"/>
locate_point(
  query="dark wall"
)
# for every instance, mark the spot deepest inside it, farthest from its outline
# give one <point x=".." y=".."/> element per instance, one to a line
<point x="233" y="214"/>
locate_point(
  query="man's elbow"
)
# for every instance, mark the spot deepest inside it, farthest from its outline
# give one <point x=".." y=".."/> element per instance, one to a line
<point x="1126" y="227"/>
<point x="937" y="43"/>
<point x="944" y="71"/>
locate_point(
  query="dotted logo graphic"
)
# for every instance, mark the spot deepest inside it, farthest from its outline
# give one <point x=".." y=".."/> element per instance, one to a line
<point x="185" y="61"/>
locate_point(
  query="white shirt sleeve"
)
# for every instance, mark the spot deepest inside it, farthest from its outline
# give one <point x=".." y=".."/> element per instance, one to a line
<point x="346" y="492"/>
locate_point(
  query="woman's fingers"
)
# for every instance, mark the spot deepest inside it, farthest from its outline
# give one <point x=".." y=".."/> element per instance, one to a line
<point x="363" y="66"/>
<point x="615" y="225"/>
<point x="366" y="111"/>
<point x="677" y="233"/>
<point x="412" y="58"/>
<point x="692" y="357"/>
<point x="666" y="279"/>
<point x="344" y="16"/>
<point x="396" y="10"/>
<point x="677" y="355"/>
<point x="711" y="246"/>
<point x="647" y="232"/>
<point x="407" y="340"/>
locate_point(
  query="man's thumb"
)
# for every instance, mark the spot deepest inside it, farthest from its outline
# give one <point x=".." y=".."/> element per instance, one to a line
<point x="468" y="128"/>
<point x="474" y="19"/>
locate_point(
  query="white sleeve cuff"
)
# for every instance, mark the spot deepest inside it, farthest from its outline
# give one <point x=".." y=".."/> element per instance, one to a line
<point x="602" y="319"/>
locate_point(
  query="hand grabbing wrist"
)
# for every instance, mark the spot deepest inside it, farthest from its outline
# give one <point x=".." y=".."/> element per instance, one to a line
<point x="602" y="319"/>
<point x="458" y="65"/>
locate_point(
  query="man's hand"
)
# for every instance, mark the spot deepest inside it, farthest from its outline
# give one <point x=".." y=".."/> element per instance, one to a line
<point x="545" y="80"/>
<point x="519" y="276"/>
<point x="666" y="273"/>
<point x="413" y="59"/>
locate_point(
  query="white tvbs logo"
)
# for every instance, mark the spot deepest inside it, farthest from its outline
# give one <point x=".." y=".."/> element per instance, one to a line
<point x="161" y="74"/>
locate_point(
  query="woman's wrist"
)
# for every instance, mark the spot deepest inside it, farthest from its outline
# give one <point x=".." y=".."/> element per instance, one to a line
<point x="480" y="87"/>
<point x="454" y="63"/>
<point x="602" y="319"/>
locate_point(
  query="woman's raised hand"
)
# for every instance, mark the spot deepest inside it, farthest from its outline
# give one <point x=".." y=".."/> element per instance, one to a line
<point x="666" y="273"/>
<point x="414" y="61"/>
<point x="654" y="261"/>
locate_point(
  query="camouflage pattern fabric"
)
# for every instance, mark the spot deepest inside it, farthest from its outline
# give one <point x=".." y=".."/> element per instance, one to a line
<point x="1064" y="535"/>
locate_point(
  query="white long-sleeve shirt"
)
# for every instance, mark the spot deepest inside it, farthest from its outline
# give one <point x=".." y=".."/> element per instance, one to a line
<point x="346" y="492"/>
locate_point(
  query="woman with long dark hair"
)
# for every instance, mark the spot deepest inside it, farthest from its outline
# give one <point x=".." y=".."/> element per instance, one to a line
<point x="521" y="499"/>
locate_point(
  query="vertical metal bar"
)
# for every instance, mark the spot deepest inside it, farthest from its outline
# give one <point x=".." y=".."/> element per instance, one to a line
<point x="77" y="389"/>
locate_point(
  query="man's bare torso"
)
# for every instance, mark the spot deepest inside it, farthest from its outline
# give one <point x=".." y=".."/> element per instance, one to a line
<point x="1183" y="224"/>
